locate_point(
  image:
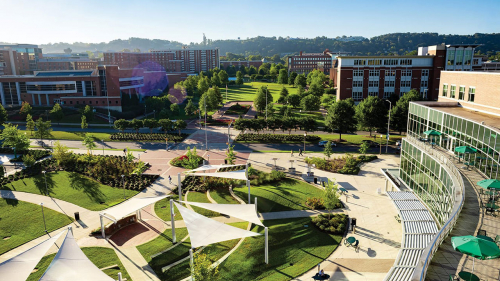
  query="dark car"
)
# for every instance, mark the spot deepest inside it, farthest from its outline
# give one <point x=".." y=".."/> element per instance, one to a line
<point x="323" y="143"/>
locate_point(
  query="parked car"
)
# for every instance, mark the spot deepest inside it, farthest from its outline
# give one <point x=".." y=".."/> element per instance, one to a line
<point x="323" y="143"/>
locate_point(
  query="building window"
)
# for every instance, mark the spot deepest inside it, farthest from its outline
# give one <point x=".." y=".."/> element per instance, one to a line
<point x="357" y="73"/>
<point x="452" y="91"/>
<point x="375" y="62"/>
<point x="405" y="62"/>
<point x="424" y="84"/>
<point x="459" y="56"/>
<point x="472" y="93"/>
<point x="373" y="83"/>
<point x="373" y="94"/>
<point x="357" y="96"/>
<point x="387" y="95"/>
<point x="374" y="72"/>
<point x="425" y="72"/>
<point x="359" y="62"/>
<point x="389" y="83"/>
<point x="391" y="62"/>
<point x="406" y="73"/>
<point x="405" y="84"/>
<point x="70" y="102"/>
<point x="451" y="57"/>
<point x="445" y="90"/>
<point x="357" y="84"/>
<point x="390" y="73"/>
<point x="461" y="92"/>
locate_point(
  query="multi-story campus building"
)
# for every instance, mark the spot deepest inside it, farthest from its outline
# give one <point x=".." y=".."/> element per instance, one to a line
<point x="73" y="61"/>
<point x="173" y="61"/>
<point x="101" y="87"/>
<point x="307" y="62"/>
<point x="467" y="113"/>
<point x="19" y="59"/>
<point x="358" y="77"/>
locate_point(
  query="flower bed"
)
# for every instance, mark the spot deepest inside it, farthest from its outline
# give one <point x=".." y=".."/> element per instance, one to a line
<point x="201" y="184"/>
<point x="148" y="137"/>
<point x="237" y="109"/>
<point x="36" y="153"/>
<point x="335" y="225"/>
<point x="181" y="161"/>
<point x="343" y="165"/>
<point x="278" y="138"/>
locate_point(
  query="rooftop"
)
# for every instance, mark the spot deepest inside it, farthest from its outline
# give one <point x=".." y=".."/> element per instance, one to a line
<point x="385" y="57"/>
<point x="63" y="73"/>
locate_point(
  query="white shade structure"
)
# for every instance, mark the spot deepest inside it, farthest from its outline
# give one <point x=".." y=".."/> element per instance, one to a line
<point x="244" y="212"/>
<point x="204" y="231"/>
<point x="20" y="267"/>
<point x="235" y="175"/>
<point x="126" y="208"/>
<point x="71" y="264"/>
<point x="210" y="167"/>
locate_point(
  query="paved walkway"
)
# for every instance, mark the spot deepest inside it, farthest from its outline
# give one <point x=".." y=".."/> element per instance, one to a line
<point x="447" y="261"/>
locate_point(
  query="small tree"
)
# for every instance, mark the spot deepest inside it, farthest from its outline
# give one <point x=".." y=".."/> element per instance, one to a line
<point x="28" y="160"/>
<point x="121" y="124"/>
<point x="136" y="124"/>
<point x="180" y="125"/>
<point x="363" y="148"/>
<point x="283" y="96"/>
<point x="192" y="158"/>
<point x="165" y="124"/>
<point x="88" y="141"/>
<point x="239" y="78"/>
<point x="151" y="124"/>
<point x="190" y="108"/>
<point x="88" y="112"/>
<point x="203" y="269"/>
<point x="291" y="78"/>
<point x="260" y="99"/>
<point x="14" y="138"/>
<point x="300" y="80"/>
<point x="328" y="149"/>
<point x="61" y="154"/>
<point x="25" y="108"/>
<point x="43" y="129"/>
<point x="84" y="124"/>
<point x="224" y="77"/>
<point x="57" y="113"/>
<point x="340" y="117"/>
<point x="230" y="155"/>
<point x="3" y="115"/>
<point x="283" y="77"/>
<point x="331" y="197"/>
<point x="310" y="103"/>
<point x="294" y="100"/>
<point x="174" y="108"/>
<point x="30" y="124"/>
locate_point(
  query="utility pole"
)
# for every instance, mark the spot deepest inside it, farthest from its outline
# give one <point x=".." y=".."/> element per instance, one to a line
<point x="388" y="123"/>
<point x="266" y="101"/>
<point x="206" y="138"/>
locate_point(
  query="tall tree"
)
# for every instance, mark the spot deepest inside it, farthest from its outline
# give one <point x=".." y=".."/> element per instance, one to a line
<point x="215" y="81"/>
<point x="283" y="77"/>
<point x="316" y="89"/>
<point x="399" y="112"/>
<point x="88" y="141"/>
<point x="260" y="98"/>
<point x="310" y="103"/>
<point x="294" y="100"/>
<point x="14" y="138"/>
<point x="84" y="123"/>
<point x="3" y="115"/>
<point x="331" y="196"/>
<point x="224" y="77"/>
<point x="151" y="124"/>
<point x="120" y="124"/>
<point x="203" y="85"/>
<point x="301" y="80"/>
<point x="180" y="125"/>
<point x="371" y="113"/>
<point x="340" y="117"/>
<point x="43" y="129"/>
<point x="174" y="108"/>
<point x="30" y="124"/>
<point x="291" y="78"/>
<point x="239" y="78"/>
<point x="136" y="124"/>
<point x="190" y="108"/>
<point x="210" y="99"/>
<point x="165" y="124"/>
<point x="57" y="113"/>
<point x="25" y="108"/>
<point x="283" y="95"/>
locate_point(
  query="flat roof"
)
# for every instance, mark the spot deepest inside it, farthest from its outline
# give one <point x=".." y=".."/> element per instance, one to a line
<point x="63" y="73"/>
<point x="490" y="120"/>
<point x="386" y="57"/>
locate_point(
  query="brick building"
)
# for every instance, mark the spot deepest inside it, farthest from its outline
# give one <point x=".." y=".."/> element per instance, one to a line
<point x="102" y="87"/>
<point x="307" y="62"/>
<point x="185" y="60"/>
<point x="19" y="59"/>
<point x="358" y="77"/>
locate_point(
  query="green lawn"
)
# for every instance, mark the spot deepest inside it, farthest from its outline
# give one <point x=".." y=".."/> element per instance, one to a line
<point x="223" y="196"/>
<point x="216" y="251"/>
<point x="318" y="116"/>
<point x="23" y="222"/>
<point x="247" y="91"/>
<point x="285" y="195"/>
<point x="202" y="198"/>
<point x="161" y="243"/>
<point x="101" y="257"/>
<point x="162" y="208"/>
<point x="74" y="188"/>
<point x="61" y="135"/>
<point x="357" y="139"/>
<point x="293" y="250"/>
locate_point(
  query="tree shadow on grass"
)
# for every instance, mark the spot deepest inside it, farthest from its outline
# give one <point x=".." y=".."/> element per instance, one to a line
<point x="11" y="202"/>
<point x="44" y="188"/>
<point x="87" y="186"/>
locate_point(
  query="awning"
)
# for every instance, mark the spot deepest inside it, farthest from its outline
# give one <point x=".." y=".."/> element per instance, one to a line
<point x="244" y="212"/>
<point x="236" y="175"/>
<point x="126" y="208"/>
<point x="204" y="231"/>
<point x="19" y="267"/>
<point x="210" y="167"/>
<point x="71" y="264"/>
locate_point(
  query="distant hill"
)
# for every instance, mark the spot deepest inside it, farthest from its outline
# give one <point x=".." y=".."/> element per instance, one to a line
<point x="393" y="43"/>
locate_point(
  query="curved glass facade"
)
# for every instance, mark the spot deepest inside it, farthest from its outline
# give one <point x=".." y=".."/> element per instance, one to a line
<point x="458" y="131"/>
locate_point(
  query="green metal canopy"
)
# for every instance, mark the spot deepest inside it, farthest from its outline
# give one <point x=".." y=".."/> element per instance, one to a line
<point x="465" y="149"/>
<point x="489" y="184"/>
<point x="432" y="133"/>
<point x="475" y="247"/>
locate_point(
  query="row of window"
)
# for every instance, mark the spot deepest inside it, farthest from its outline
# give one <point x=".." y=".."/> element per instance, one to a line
<point x="406" y="73"/>
<point x="383" y="62"/>
<point x="387" y="83"/>
<point x="461" y="92"/>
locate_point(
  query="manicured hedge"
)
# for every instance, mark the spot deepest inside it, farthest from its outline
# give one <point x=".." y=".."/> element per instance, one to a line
<point x="148" y="137"/>
<point x="272" y="138"/>
<point x="36" y="153"/>
<point x="335" y="225"/>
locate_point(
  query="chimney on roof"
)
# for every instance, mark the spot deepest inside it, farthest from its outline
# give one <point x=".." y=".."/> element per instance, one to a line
<point x="300" y="53"/>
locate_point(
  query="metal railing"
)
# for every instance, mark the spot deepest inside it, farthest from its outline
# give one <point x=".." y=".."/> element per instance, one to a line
<point x="459" y="192"/>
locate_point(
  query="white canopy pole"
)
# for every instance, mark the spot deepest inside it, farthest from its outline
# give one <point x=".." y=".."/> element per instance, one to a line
<point x="172" y="220"/>
<point x="191" y="263"/>
<point x="179" y="185"/>
<point x="102" y="227"/>
<point x="266" y="255"/>
<point x="119" y="276"/>
<point x="248" y="185"/>
<point x="257" y="212"/>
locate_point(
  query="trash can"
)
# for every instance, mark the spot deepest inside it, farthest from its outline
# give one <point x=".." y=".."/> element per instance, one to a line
<point x="225" y="161"/>
<point x="315" y="180"/>
<point x="77" y="216"/>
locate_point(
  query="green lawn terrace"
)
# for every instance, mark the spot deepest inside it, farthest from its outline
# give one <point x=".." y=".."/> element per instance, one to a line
<point x="248" y="91"/>
<point x="21" y="222"/>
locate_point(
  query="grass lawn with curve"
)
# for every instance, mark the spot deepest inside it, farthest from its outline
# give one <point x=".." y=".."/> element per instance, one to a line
<point x="21" y="222"/>
<point x="202" y="198"/>
<point x="248" y="91"/>
<point x="223" y="196"/>
<point x="74" y="188"/>
<point x="295" y="246"/>
<point x="285" y="195"/>
<point x="101" y="257"/>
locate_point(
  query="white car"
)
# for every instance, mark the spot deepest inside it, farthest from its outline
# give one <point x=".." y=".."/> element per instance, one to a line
<point x="323" y="143"/>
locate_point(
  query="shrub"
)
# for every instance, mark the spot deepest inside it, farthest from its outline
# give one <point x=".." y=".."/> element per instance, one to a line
<point x="148" y="137"/>
<point x="315" y="203"/>
<point x="335" y="225"/>
<point x="344" y="165"/>
<point x="275" y="138"/>
<point x="35" y="153"/>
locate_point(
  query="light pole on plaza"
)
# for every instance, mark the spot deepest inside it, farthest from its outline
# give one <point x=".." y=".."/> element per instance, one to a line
<point x="43" y="215"/>
<point x="123" y="186"/>
<point x="206" y="138"/>
<point x="46" y="188"/>
<point x="305" y="135"/>
<point x="102" y="147"/>
<point x="388" y="123"/>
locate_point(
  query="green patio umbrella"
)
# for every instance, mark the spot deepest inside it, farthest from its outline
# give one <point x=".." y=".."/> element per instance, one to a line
<point x="432" y="133"/>
<point x="465" y="149"/>
<point x="475" y="247"/>
<point x="489" y="184"/>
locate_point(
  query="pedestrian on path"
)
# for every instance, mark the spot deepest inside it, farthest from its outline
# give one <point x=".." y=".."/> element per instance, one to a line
<point x="169" y="179"/>
<point x="300" y="152"/>
<point x="292" y="153"/>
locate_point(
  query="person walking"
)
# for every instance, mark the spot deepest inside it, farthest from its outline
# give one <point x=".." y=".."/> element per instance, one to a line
<point x="300" y="152"/>
<point x="291" y="153"/>
<point x="169" y="179"/>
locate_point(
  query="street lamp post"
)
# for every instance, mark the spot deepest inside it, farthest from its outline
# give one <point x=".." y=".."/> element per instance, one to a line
<point x="267" y="91"/>
<point x="102" y="147"/>
<point x="206" y="138"/>
<point x="388" y="123"/>
<point x="381" y="136"/>
<point x="145" y="109"/>
<point x="229" y="134"/>
<point x="154" y="113"/>
<point x="305" y="135"/>
<point x="45" y="176"/>
<point x="123" y="186"/>
<point x="43" y="215"/>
